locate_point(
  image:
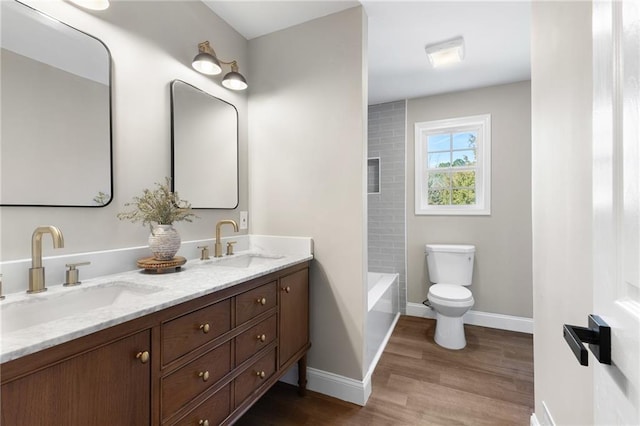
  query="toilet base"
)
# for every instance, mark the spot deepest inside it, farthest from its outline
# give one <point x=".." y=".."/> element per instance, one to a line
<point x="450" y="332"/>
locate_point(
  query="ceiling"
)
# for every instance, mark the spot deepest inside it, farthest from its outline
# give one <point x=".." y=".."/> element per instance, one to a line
<point x="496" y="36"/>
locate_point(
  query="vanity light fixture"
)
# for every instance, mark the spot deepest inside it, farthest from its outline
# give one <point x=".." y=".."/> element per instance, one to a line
<point x="445" y="53"/>
<point x="234" y="80"/>
<point x="92" y="4"/>
<point x="207" y="62"/>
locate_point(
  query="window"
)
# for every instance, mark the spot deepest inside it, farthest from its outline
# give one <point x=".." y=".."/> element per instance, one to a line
<point x="453" y="166"/>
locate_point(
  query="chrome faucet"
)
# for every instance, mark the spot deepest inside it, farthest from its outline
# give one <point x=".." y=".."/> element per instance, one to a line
<point x="218" y="247"/>
<point x="36" y="272"/>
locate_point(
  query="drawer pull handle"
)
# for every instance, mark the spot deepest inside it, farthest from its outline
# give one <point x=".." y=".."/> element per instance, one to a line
<point x="204" y="422"/>
<point x="205" y="328"/>
<point x="260" y="374"/>
<point x="262" y="337"/>
<point x="143" y="356"/>
<point x="287" y="289"/>
<point x="204" y="375"/>
<point x="262" y="300"/>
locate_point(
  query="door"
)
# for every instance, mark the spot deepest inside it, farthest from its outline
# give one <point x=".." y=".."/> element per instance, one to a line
<point x="616" y="206"/>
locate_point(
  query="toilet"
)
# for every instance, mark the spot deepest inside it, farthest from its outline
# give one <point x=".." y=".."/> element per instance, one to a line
<point x="450" y="269"/>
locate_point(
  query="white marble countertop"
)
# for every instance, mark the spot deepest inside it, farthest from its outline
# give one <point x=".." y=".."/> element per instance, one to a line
<point x="149" y="293"/>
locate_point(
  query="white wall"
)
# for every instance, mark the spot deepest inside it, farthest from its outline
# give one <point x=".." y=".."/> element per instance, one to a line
<point x="561" y="178"/>
<point x="151" y="44"/>
<point x="502" y="270"/>
<point x="307" y="176"/>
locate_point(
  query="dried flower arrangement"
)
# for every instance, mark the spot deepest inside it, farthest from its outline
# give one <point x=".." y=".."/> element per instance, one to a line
<point x="159" y="206"/>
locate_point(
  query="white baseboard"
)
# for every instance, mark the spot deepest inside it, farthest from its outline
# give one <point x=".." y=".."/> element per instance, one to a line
<point x="483" y="319"/>
<point x="420" y="310"/>
<point x="345" y="388"/>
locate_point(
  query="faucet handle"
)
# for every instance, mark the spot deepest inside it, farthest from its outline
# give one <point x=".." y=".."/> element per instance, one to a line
<point x="1" y="295"/>
<point x="230" y="247"/>
<point x="205" y="252"/>
<point x="72" y="273"/>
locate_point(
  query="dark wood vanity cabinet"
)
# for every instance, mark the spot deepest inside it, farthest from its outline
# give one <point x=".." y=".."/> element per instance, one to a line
<point x="205" y="361"/>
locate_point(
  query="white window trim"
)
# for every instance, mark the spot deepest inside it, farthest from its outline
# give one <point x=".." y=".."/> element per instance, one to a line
<point x="483" y="177"/>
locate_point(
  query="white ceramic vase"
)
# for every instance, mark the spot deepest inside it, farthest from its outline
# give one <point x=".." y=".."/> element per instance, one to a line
<point x="164" y="242"/>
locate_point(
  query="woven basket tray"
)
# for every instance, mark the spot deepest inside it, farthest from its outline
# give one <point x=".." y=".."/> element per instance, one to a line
<point x="155" y="266"/>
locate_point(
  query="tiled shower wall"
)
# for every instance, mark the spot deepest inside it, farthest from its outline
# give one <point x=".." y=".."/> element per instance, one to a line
<point x="386" y="221"/>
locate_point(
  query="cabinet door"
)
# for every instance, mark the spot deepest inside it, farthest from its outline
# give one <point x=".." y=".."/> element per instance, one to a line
<point x="107" y="385"/>
<point x="294" y="314"/>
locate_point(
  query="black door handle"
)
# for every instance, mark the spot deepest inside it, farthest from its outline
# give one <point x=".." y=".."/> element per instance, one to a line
<point x="598" y="336"/>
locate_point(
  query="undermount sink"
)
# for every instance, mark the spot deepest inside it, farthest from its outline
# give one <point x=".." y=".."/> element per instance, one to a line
<point x="245" y="260"/>
<point x="44" y="308"/>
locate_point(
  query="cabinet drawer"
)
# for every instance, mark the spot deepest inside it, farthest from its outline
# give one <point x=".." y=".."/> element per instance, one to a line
<point x="255" y="302"/>
<point x="213" y="410"/>
<point x="181" y="386"/>
<point x="254" y="339"/>
<point x="190" y="331"/>
<point x="253" y="377"/>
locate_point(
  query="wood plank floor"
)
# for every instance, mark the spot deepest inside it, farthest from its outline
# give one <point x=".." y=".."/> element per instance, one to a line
<point x="417" y="382"/>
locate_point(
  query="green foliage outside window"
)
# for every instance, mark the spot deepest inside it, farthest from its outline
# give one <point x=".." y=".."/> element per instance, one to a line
<point x="450" y="187"/>
<point x="461" y="192"/>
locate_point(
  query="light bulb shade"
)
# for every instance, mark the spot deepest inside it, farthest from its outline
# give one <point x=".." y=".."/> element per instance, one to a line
<point x="206" y="64"/>
<point x="446" y="53"/>
<point x="234" y="81"/>
<point x="92" y="4"/>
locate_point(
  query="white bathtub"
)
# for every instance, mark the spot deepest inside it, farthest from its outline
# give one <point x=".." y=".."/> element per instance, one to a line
<point x="379" y="283"/>
<point x="382" y="314"/>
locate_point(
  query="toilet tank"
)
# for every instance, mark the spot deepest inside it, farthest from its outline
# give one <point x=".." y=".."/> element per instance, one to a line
<point x="450" y="263"/>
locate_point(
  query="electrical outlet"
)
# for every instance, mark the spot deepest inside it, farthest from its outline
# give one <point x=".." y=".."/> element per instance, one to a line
<point x="244" y="220"/>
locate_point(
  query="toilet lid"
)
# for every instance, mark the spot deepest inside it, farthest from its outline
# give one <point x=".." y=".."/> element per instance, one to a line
<point x="451" y="292"/>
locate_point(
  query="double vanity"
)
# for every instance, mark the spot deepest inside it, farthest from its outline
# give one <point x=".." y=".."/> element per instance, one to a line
<point x="196" y="347"/>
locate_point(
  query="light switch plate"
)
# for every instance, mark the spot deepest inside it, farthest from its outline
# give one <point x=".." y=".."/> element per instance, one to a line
<point x="244" y="220"/>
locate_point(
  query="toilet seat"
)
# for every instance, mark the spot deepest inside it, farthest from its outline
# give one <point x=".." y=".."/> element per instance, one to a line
<point x="450" y="293"/>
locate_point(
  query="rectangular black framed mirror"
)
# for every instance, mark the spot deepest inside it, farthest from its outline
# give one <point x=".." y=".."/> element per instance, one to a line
<point x="56" y="144"/>
<point x="204" y="148"/>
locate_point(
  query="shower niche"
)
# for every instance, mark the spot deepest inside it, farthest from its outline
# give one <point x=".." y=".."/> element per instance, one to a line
<point x="373" y="175"/>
